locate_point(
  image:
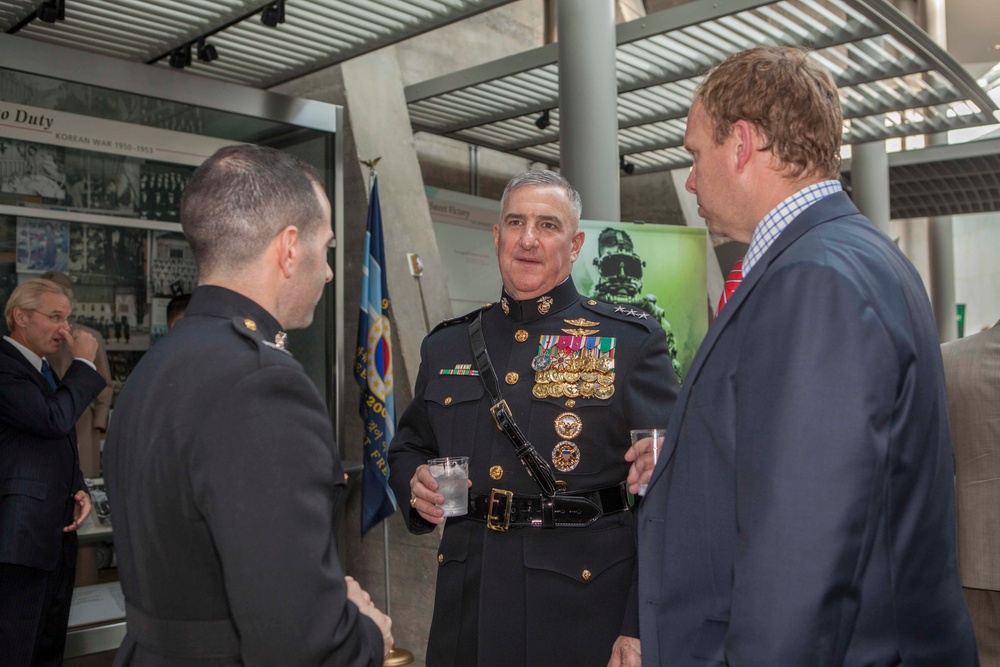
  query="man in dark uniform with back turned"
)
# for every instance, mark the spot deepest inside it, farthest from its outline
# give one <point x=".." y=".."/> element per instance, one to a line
<point x="522" y="582"/>
<point x="222" y="472"/>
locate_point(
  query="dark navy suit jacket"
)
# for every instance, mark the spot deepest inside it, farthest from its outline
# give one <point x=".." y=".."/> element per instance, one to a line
<point x="803" y="511"/>
<point x="39" y="463"/>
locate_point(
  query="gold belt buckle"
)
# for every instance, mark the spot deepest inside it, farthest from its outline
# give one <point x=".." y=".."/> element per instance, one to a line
<point x="496" y="408"/>
<point x="498" y="518"/>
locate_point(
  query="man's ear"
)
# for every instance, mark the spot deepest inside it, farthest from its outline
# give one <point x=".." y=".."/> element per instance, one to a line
<point x="746" y="138"/>
<point x="20" y="317"/>
<point x="287" y="242"/>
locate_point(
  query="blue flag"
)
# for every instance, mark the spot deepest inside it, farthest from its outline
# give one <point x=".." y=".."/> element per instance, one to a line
<point x="373" y="371"/>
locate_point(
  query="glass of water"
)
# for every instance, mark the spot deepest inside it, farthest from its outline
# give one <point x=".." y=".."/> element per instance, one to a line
<point x="647" y="444"/>
<point x="452" y="475"/>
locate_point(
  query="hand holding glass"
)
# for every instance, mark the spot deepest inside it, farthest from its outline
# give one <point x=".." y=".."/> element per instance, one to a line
<point x="647" y="443"/>
<point x="452" y="475"/>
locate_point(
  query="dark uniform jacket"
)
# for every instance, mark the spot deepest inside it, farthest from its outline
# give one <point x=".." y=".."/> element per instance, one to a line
<point x="39" y="464"/>
<point x="534" y="596"/>
<point x="223" y="481"/>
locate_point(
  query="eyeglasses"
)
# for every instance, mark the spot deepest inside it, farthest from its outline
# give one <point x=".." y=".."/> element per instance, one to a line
<point x="55" y="318"/>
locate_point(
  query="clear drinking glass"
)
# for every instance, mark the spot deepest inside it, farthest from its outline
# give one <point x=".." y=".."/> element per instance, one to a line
<point x="647" y="442"/>
<point x="452" y="476"/>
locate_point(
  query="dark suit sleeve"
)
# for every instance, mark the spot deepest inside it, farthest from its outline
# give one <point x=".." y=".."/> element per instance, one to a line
<point x="651" y="390"/>
<point x="815" y="388"/>
<point x="26" y="407"/>
<point x="262" y="474"/>
<point x="412" y="445"/>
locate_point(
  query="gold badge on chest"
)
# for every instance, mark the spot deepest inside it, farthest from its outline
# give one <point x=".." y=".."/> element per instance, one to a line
<point x="565" y="456"/>
<point x="544" y="304"/>
<point x="568" y="425"/>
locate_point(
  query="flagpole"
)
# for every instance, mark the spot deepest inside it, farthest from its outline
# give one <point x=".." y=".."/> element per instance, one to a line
<point x="397" y="656"/>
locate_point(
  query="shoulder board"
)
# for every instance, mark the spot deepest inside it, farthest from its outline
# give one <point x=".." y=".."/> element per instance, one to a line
<point x="468" y="317"/>
<point x="622" y="312"/>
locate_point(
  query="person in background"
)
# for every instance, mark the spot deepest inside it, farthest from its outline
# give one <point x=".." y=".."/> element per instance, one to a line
<point x="43" y="499"/>
<point x="802" y="511"/>
<point x="972" y="374"/>
<point x="221" y="469"/>
<point x="526" y="578"/>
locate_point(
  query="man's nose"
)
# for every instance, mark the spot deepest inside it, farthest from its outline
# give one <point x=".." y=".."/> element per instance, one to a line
<point x="528" y="238"/>
<point x="689" y="183"/>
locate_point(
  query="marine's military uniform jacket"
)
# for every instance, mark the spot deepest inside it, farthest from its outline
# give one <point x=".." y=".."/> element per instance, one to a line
<point x="223" y="480"/>
<point x="534" y="596"/>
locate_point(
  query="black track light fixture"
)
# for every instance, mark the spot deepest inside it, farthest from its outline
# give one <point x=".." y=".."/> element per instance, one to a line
<point x="273" y="14"/>
<point x="625" y="165"/>
<point x="206" y="52"/>
<point x="543" y="121"/>
<point x="181" y="57"/>
<point x="52" y="11"/>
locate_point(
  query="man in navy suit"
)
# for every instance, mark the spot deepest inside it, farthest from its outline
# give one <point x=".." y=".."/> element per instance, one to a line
<point x="802" y="511"/>
<point x="43" y="499"/>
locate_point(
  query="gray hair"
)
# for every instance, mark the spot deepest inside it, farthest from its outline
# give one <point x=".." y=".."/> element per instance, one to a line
<point x="544" y="178"/>
<point x="28" y="296"/>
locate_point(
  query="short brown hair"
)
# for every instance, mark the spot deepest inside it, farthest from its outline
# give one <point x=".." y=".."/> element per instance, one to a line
<point x="240" y="198"/>
<point x="791" y="100"/>
<point x="28" y="296"/>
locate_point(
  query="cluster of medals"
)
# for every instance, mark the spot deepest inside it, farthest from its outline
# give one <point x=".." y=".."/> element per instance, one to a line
<point x="575" y="367"/>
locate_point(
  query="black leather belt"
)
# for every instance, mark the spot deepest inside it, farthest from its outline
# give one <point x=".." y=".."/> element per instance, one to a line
<point x="502" y="510"/>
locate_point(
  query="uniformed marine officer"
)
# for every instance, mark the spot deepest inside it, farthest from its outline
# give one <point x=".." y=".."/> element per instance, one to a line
<point x="222" y="472"/>
<point x="529" y="577"/>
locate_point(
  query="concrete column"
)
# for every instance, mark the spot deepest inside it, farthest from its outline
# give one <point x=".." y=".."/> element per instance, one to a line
<point x="588" y="102"/>
<point x="941" y="239"/>
<point x="870" y="182"/>
<point x="942" y="279"/>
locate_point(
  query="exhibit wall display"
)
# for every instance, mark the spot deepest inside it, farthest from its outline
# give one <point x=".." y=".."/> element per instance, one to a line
<point x="658" y="268"/>
<point x="463" y="225"/>
<point x="95" y="188"/>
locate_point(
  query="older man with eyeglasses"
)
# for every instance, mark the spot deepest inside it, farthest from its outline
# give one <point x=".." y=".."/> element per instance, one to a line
<point x="43" y="499"/>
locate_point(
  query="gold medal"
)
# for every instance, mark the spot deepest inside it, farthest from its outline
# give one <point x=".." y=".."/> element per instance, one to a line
<point x="588" y="376"/>
<point x="587" y="389"/>
<point x="540" y="391"/>
<point x="571" y="376"/>
<point x="542" y="377"/>
<point x="568" y="425"/>
<point x="603" y="365"/>
<point x="565" y="456"/>
<point x="572" y="390"/>
<point x="606" y="379"/>
<point x="604" y="392"/>
<point x="557" y="389"/>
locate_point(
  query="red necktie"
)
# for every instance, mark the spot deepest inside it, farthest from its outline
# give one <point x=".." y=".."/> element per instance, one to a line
<point x="732" y="282"/>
